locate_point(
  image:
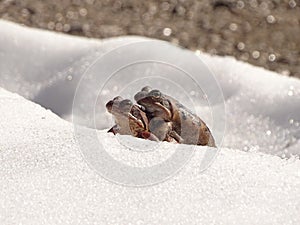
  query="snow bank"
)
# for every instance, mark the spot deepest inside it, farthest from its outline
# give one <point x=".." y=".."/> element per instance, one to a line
<point x="44" y="178"/>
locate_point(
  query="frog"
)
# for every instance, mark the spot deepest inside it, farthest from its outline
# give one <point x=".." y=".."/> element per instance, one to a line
<point x="185" y="124"/>
<point x="132" y="120"/>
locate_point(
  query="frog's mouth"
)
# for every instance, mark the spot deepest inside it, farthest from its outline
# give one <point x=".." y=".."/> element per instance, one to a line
<point x="119" y="107"/>
<point x="113" y="108"/>
<point x="109" y="106"/>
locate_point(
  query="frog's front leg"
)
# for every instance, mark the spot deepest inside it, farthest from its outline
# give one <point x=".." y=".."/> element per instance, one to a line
<point x="115" y="129"/>
<point x="159" y="128"/>
<point x="148" y="136"/>
<point x="176" y="136"/>
<point x="163" y="130"/>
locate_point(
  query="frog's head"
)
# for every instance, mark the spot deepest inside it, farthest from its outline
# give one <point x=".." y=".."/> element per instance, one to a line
<point x="119" y="106"/>
<point x="155" y="103"/>
<point x="126" y="113"/>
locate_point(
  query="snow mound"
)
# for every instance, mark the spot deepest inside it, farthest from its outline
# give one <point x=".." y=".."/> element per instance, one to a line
<point x="44" y="179"/>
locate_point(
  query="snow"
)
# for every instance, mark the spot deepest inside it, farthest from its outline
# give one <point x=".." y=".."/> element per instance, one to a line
<point x="46" y="178"/>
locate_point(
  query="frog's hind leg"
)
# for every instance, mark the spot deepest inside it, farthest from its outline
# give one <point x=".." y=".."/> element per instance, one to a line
<point x="205" y="137"/>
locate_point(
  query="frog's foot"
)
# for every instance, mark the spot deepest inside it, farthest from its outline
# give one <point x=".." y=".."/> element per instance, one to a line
<point x="149" y="136"/>
<point x="176" y="136"/>
<point x="114" y="130"/>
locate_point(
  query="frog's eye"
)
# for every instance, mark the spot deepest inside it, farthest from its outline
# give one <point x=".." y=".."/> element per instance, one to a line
<point x="126" y="104"/>
<point x="118" y="98"/>
<point x="166" y="103"/>
<point x="146" y="89"/>
<point x="155" y="93"/>
<point x="136" y="113"/>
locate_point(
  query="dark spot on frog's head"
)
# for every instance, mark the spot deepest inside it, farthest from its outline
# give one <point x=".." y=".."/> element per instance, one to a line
<point x="183" y="115"/>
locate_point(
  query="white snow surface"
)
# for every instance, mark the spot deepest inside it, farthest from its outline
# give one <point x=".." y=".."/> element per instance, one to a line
<point x="45" y="180"/>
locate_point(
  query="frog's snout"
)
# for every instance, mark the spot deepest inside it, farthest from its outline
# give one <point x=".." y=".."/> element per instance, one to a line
<point x="109" y="105"/>
<point x="113" y="104"/>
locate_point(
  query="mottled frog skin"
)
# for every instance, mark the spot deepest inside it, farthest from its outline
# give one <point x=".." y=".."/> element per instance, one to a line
<point x="130" y="119"/>
<point x="186" y="127"/>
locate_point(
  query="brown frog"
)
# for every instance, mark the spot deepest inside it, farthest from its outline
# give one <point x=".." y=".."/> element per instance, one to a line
<point x="132" y="120"/>
<point x="186" y="125"/>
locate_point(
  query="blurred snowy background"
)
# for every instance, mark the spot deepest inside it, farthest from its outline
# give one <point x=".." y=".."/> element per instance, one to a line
<point x="261" y="32"/>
